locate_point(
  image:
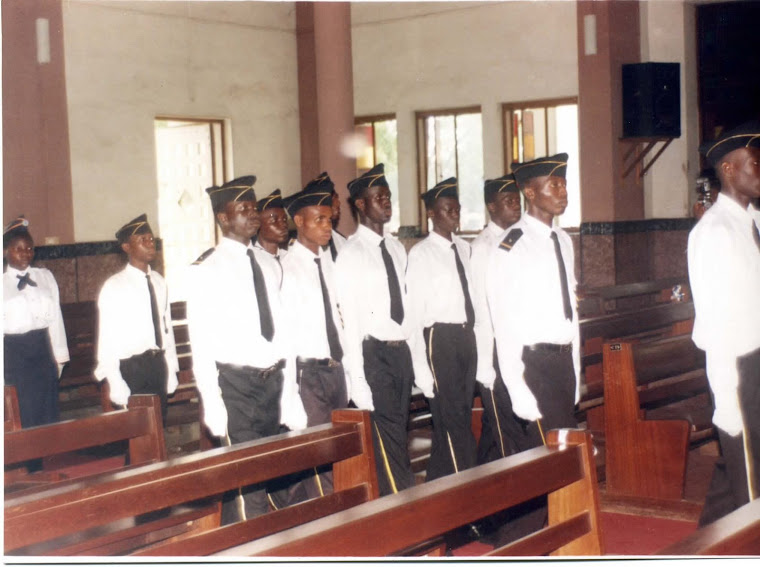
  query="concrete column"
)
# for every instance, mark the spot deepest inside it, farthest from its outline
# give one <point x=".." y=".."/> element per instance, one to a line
<point x="605" y="194"/>
<point x="36" y="159"/>
<point x="326" y="95"/>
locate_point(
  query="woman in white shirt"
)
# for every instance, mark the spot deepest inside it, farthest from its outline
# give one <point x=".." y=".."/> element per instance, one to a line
<point x="34" y="338"/>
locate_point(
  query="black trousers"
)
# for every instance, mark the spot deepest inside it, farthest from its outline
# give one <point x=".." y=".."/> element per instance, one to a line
<point x="452" y="357"/>
<point x="146" y="373"/>
<point x="323" y="389"/>
<point x="32" y="369"/>
<point x="388" y="370"/>
<point x="252" y="399"/>
<point x="551" y="378"/>
<point x="503" y="432"/>
<point x="737" y="468"/>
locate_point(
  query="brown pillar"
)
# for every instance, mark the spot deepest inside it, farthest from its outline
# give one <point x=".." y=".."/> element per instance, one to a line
<point x="605" y="194"/>
<point x="326" y="95"/>
<point x="36" y="160"/>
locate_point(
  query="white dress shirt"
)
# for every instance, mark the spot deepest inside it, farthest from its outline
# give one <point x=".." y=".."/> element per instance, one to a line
<point x="34" y="308"/>
<point x="435" y="295"/>
<point x="223" y="320"/>
<point x="304" y="307"/>
<point x="724" y="274"/>
<point x="525" y="301"/>
<point x="125" y="324"/>
<point x="489" y="238"/>
<point x="271" y="262"/>
<point x="365" y="302"/>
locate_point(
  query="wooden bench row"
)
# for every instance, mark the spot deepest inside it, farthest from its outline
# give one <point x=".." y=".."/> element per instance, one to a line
<point x="115" y="513"/>
<point x="33" y="526"/>
<point x="138" y="426"/>
<point x="100" y="507"/>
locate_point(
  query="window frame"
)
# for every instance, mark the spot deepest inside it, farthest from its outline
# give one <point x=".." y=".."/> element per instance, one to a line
<point x="371" y="119"/>
<point x="420" y="117"/>
<point x="506" y="123"/>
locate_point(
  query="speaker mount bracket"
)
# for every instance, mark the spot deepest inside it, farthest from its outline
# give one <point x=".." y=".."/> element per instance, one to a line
<point x="638" y="148"/>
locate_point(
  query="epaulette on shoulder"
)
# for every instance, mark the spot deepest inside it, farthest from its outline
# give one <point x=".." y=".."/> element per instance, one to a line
<point x="203" y="256"/>
<point x="511" y="239"/>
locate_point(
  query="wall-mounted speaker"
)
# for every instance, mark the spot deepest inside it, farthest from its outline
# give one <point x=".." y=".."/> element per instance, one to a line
<point x="651" y="100"/>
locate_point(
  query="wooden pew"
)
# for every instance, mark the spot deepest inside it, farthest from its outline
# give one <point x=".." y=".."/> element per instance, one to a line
<point x="737" y="533"/>
<point x="667" y="320"/>
<point x="139" y="425"/>
<point x="33" y="524"/>
<point x="78" y="387"/>
<point x="11" y="413"/>
<point x="562" y="469"/>
<point x="625" y="297"/>
<point x="646" y="457"/>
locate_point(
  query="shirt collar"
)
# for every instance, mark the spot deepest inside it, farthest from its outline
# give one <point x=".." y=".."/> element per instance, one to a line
<point x="258" y="246"/>
<point x="735" y="209"/>
<point x="494" y="228"/>
<point x="135" y="272"/>
<point x="300" y="250"/>
<point x="369" y="235"/>
<point x="14" y="272"/>
<point x="235" y="246"/>
<point x="535" y="224"/>
<point x="439" y="240"/>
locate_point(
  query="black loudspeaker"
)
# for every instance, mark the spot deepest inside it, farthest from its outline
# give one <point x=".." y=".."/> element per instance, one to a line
<point x="651" y="100"/>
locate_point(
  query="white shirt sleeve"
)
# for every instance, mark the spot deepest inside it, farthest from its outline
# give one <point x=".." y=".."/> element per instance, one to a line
<point x="416" y="276"/>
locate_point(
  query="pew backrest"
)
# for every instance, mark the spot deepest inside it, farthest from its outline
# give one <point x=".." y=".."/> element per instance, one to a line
<point x="562" y="469"/>
<point x="109" y="497"/>
<point x="139" y="424"/>
<point x="737" y="533"/>
<point x="11" y="415"/>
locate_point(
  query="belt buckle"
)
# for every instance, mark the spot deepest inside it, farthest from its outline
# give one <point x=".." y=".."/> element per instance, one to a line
<point x="566" y="348"/>
<point x="332" y="363"/>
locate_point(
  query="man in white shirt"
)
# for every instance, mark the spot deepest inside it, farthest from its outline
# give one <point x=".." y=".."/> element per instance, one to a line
<point x="136" y="351"/>
<point x="371" y="293"/>
<point x="724" y="273"/>
<point x="237" y="335"/>
<point x="530" y="289"/>
<point x="309" y="297"/>
<point x="270" y="242"/>
<point x="444" y="352"/>
<point x="537" y="341"/>
<point x="502" y="435"/>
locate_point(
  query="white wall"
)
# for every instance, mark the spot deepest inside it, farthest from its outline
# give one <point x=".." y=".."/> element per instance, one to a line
<point x="417" y="56"/>
<point x="669" y="36"/>
<point x="128" y="62"/>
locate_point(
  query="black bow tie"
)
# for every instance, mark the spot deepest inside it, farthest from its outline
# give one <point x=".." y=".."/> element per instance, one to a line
<point x="25" y="280"/>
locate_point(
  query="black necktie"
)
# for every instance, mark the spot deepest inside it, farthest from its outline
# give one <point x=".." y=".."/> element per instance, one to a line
<point x="465" y="289"/>
<point x="336" y="352"/>
<point x="262" y="299"/>
<point x="25" y="280"/>
<point x="562" y="279"/>
<point x="280" y="265"/>
<point x="154" y="313"/>
<point x="333" y="250"/>
<point x="756" y="235"/>
<point x="397" y="307"/>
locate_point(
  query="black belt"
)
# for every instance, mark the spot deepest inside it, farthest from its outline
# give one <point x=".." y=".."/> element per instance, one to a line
<point x="395" y="344"/>
<point x="550" y="347"/>
<point x="150" y="353"/>
<point x="453" y="325"/>
<point x="329" y="362"/>
<point x="252" y="370"/>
